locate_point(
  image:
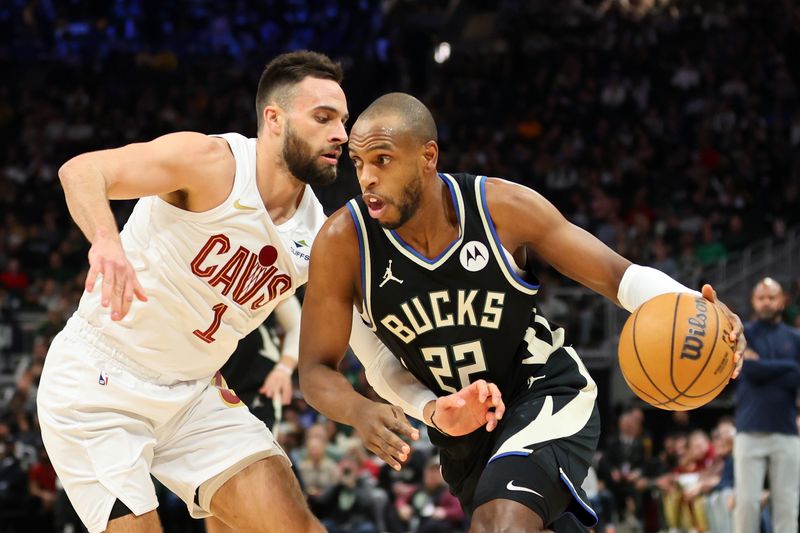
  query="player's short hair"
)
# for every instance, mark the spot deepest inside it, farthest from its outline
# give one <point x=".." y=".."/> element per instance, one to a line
<point x="414" y="116"/>
<point x="287" y="70"/>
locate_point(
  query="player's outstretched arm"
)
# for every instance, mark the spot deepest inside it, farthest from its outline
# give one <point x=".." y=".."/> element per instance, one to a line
<point x="188" y="164"/>
<point x="523" y="218"/>
<point x="324" y="334"/>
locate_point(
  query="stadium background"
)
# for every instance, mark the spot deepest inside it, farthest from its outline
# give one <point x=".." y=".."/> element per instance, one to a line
<point x="669" y="129"/>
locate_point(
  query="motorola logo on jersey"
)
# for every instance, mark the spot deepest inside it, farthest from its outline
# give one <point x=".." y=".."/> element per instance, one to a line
<point x="244" y="272"/>
<point x="474" y="256"/>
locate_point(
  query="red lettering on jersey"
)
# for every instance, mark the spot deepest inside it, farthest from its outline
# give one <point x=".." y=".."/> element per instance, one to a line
<point x="230" y="271"/>
<point x="242" y="296"/>
<point x="277" y="285"/>
<point x="224" y="245"/>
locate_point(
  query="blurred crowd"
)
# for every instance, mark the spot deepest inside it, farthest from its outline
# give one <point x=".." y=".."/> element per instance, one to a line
<point x="669" y="129"/>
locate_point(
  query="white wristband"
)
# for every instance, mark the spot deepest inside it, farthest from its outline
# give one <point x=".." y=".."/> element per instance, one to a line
<point x="641" y="283"/>
<point x="284" y="368"/>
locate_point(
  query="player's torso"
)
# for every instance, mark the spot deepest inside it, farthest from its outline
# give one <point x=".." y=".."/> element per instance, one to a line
<point x="210" y="277"/>
<point x="456" y="318"/>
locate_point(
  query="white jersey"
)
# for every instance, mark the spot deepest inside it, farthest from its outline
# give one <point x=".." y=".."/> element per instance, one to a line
<point x="210" y="277"/>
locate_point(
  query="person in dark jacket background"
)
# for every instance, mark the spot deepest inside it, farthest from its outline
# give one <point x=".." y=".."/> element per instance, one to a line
<point x="767" y="438"/>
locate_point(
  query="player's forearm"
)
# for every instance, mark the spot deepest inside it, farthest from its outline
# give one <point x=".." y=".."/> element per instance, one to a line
<point x="329" y="392"/>
<point x="85" y="193"/>
<point x="390" y="379"/>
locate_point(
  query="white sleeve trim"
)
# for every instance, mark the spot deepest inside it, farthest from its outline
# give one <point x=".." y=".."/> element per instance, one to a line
<point x="641" y="283"/>
<point x="390" y="379"/>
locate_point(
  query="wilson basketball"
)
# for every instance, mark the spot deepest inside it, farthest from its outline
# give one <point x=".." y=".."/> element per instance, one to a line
<point x="675" y="353"/>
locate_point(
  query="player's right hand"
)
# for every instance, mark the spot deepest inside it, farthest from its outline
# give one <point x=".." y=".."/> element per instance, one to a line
<point x="477" y="405"/>
<point x="380" y="427"/>
<point x="120" y="285"/>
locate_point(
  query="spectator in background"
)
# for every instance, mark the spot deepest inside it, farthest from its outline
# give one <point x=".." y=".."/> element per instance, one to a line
<point x="767" y="436"/>
<point x="718" y="483"/>
<point x="432" y="508"/>
<point x="347" y="506"/>
<point x="14" y="498"/>
<point x="624" y="459"/>
<point x="318" y="472"/>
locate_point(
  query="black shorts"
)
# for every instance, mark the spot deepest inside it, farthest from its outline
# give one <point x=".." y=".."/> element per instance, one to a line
<point x="515" y="463"/>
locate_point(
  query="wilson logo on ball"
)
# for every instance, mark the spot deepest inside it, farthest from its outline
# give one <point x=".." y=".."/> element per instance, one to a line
<point x="692" y="343"/>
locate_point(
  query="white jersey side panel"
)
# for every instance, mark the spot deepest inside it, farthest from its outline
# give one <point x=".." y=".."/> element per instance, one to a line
<point x="210" y="277"/>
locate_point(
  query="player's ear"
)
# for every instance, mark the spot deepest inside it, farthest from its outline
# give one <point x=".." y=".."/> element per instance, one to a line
<point x="430" y="155"/>
<point x="273" y="119"/>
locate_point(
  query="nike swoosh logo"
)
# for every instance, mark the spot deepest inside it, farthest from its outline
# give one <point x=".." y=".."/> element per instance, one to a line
<point x="237" y="205"/>
<point x="517" y="488"/>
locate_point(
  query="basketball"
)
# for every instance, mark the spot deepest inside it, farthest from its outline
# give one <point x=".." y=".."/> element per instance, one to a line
<point x="674" y="351"/>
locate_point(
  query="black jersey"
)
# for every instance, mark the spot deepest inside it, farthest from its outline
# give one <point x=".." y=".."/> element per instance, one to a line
<point x="469" y="314"/>
<point x="465" y="315"/>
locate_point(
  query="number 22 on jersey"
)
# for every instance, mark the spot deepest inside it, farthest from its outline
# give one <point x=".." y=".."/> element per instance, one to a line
<point x="468" y="358"/>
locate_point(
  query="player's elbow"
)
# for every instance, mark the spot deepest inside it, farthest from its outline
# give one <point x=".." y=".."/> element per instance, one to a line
<point x="71" y="168"/>
<point x="310" y="373"/>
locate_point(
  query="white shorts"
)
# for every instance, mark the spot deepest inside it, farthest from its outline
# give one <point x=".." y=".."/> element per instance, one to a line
<point x="108" y="424"/>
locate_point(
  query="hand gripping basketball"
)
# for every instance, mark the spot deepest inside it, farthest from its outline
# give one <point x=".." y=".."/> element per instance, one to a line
<point x="678" y="351"/>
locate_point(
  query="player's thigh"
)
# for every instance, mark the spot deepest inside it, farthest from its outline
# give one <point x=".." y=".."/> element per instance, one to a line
<point x="213" y="441"/>
<point x="505" y="515"/>
<point x="146" y="523"/>
<point x="100" y="451"/>
<point x="265" y="496"/>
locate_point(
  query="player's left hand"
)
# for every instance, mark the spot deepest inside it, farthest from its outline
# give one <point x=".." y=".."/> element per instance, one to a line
<point x="736" y="335"/>
<point x="479" y="404"/>
<point x="278" y="383"/>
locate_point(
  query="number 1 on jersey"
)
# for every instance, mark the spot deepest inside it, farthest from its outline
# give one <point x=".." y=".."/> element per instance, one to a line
<point x="208" y="335"/>
<point x="439" y="363"/>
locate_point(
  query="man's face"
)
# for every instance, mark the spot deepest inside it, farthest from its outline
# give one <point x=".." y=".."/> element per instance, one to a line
<point x="314" y="132"/>
<point x="388" y="164"/>
<point x="767" y="301"/>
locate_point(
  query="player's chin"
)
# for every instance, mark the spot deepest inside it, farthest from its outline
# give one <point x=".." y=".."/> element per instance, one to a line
<point x="390" y="224"/>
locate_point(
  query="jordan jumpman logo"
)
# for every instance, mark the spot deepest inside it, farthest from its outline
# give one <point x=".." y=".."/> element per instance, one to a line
<point x="388" y="276"/>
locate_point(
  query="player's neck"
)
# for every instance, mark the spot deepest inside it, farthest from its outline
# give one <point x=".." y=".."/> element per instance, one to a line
<point x="435" y="225"/>
<point x="280" y="191"/>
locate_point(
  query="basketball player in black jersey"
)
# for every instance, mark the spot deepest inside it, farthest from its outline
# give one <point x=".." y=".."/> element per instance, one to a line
<point x="435" y="264"/>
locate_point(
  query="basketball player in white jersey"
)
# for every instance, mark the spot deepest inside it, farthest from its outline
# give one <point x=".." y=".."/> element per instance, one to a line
<point x="129" y="386"/>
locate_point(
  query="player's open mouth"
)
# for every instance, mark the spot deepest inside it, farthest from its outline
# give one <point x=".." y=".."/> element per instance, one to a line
<point x="375" y="205"/>
<point x="331" y="157"/>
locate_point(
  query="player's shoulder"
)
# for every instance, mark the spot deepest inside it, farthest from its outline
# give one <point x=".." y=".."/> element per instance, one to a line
<point x="194" y="148"/>
<point x="338" y="229"/>
<point x="505" y="195"/>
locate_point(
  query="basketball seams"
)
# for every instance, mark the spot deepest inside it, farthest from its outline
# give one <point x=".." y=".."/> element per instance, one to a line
<point x="672" y="345"/>
<point x="639" y="359"/>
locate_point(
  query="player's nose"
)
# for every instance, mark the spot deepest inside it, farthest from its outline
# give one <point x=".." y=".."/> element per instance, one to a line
<point x="339" y="134"/>
<point x="367" y="179"/>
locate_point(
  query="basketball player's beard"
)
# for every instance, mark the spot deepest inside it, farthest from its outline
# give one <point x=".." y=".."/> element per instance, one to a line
<point x="302" y="162"/>
<point x="407" y="205"/>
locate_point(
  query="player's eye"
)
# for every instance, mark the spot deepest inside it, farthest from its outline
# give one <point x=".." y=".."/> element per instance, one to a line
<point x="384" y="160"/>
<point x="322" y="119"/>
